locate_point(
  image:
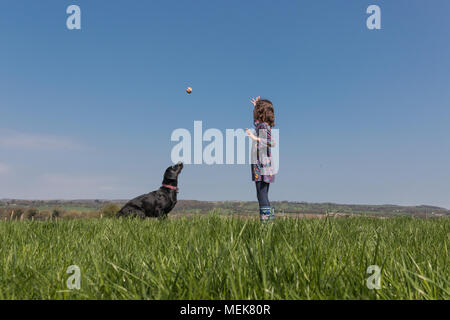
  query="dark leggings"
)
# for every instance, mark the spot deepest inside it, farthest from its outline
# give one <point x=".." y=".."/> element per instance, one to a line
<point x="262" y="192"/>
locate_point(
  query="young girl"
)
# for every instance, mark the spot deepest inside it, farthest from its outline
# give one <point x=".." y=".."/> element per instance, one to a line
<point x="262" y="170"/>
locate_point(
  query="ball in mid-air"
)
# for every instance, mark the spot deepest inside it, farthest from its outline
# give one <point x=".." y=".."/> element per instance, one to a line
<point x="189" y="90"/>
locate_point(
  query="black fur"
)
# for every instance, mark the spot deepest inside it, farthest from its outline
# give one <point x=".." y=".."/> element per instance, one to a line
<point x="157" y="203"/>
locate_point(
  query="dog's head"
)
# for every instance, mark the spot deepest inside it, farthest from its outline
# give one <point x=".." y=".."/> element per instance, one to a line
<point x="171" y="174"/>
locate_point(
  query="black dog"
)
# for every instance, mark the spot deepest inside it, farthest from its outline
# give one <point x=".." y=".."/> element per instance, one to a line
<point x="157" y="203"/>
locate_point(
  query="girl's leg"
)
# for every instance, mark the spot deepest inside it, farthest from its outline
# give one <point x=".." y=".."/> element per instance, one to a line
<point x="265" y="203"/>
<point x="262" y="193"/>
<point x="265" y="194"/>
<point x="258" y="191"/>
<point x="272" y="209"/>
<point x="262" y="190"/>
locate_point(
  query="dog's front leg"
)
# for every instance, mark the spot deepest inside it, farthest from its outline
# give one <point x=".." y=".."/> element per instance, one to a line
<point x="158" y="212"/>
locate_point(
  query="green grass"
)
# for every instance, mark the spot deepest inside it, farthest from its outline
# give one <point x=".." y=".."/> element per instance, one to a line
<point x="216" y="257"/>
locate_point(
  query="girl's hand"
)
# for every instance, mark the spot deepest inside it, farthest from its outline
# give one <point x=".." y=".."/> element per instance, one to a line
<point x="254" y="101"/>
<point x="251" y="135"/>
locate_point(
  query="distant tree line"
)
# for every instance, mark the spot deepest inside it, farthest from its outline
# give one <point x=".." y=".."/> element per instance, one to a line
<point x="54" y="209"/>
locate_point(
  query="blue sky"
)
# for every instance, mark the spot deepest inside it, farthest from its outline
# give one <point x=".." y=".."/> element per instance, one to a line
<point x="363" y="114"/>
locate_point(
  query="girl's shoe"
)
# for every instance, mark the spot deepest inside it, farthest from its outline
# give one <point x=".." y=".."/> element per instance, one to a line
<point x="264" y="214"/>
<point x="272" y="213"/>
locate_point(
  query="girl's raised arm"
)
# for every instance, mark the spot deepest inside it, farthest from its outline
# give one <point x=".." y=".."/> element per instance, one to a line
<point x="253" y="101"/>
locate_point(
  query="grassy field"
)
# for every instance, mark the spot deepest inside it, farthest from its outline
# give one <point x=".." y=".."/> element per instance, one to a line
<point x="216" y="257"/>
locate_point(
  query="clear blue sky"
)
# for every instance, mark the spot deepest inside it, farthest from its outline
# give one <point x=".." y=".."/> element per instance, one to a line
<point x="364" y="116"/>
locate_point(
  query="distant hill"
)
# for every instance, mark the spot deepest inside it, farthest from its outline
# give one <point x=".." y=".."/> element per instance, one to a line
<point x="241" y="207"/>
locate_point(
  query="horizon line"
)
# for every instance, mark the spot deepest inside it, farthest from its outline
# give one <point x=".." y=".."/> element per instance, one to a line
<point x="292" y="201"/>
